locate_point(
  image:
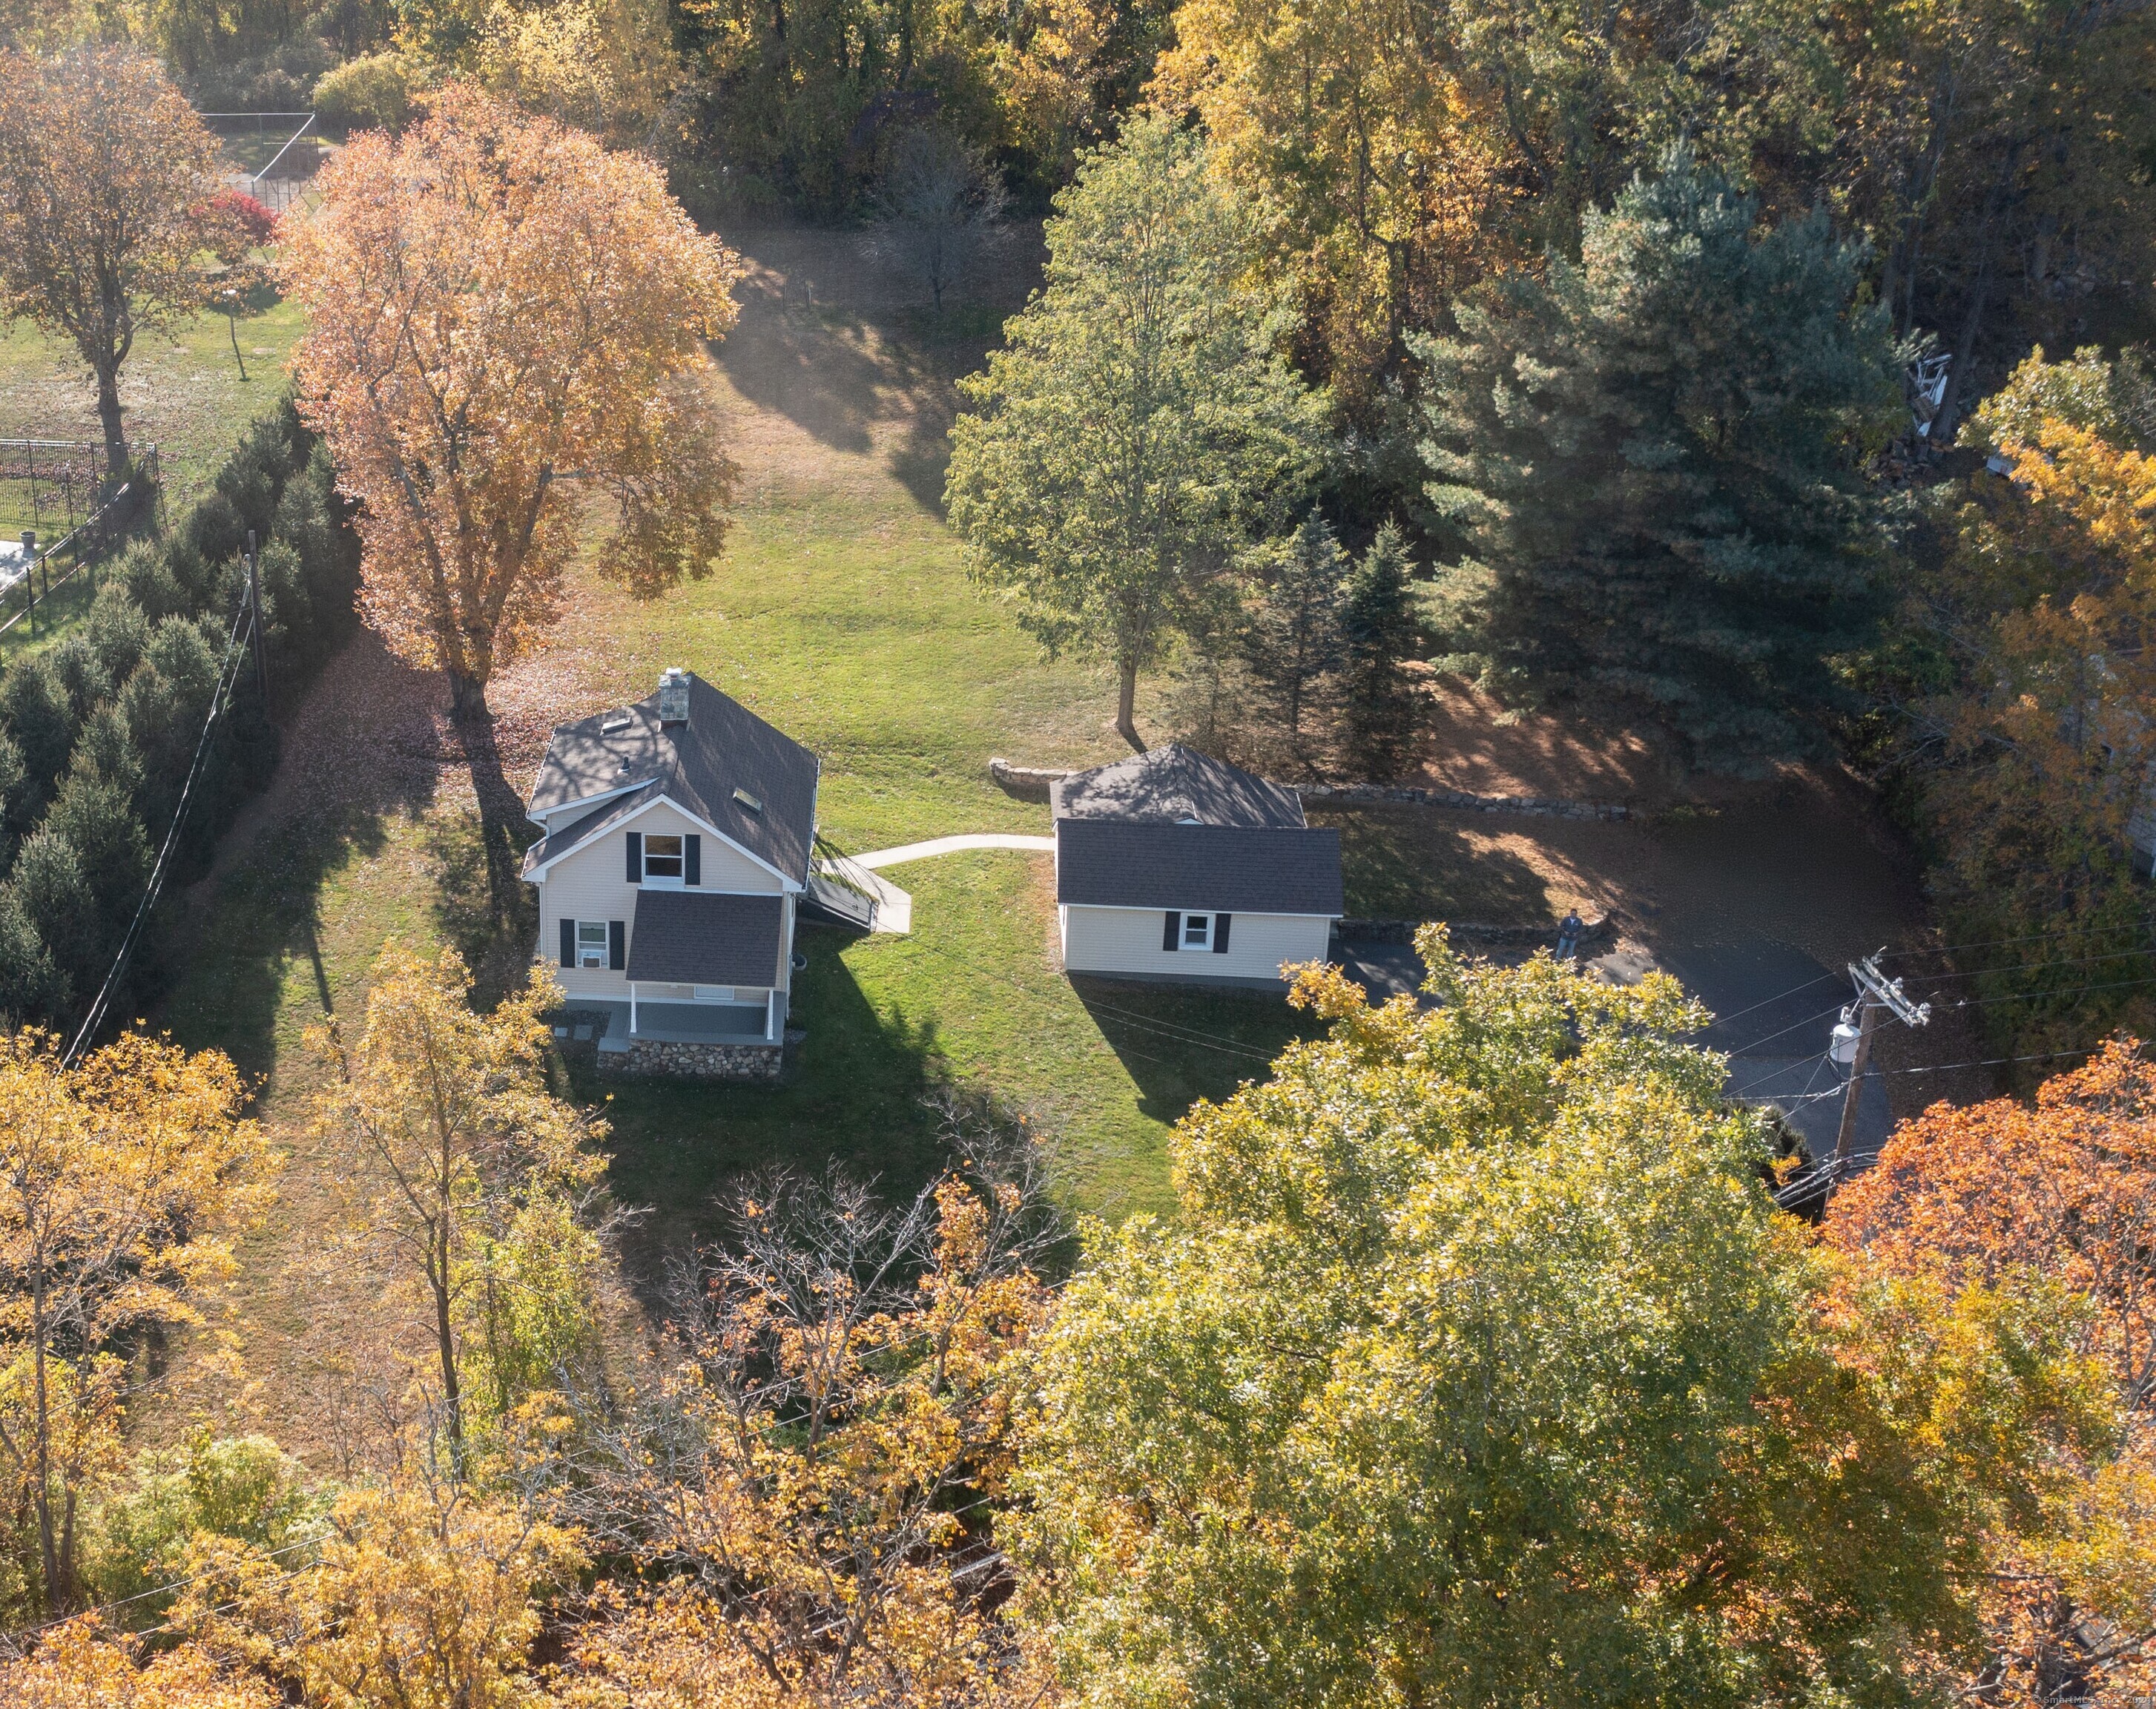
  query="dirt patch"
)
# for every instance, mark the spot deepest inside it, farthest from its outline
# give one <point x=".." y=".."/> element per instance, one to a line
<point x="1475" y="745"/>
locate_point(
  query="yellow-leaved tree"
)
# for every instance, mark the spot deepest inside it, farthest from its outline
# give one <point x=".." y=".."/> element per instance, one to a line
<point x="2045" y="603"/>
<point x="423" y="1595"/>
<point x="78" y="1666"/>
<point x="121" y="1181"/>
<point x="503" y="318"/>
<point x="1387" y="176"/>
<point x="487" y="1190"/>
<point x="810" y="1484"/>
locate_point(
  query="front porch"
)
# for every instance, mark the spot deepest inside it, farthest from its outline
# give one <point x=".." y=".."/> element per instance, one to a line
<point x="704" y="1041"/>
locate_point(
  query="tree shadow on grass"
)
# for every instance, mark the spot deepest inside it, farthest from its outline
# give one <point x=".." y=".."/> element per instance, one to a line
<point x="857" y="1094"/>
<point x="360" y="755"/>
<point x="1182" y="1044"/>
<point x="825" y="341"/>
<point x="482" y="905"/>
<point x="261" y="916"/>
<point x="830" y="371"/>
<point x="1405" y="862"/>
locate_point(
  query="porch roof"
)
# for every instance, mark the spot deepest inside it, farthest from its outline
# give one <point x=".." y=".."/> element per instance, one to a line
<point x="707" y="937"/>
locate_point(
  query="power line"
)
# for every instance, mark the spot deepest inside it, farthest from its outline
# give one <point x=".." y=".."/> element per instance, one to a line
<point x="1994" y="942"/>
<point x="2072" y="991"/>
<point x="2139" y="952"/>
<point x="228" y="674"/>
<point x="160" y="1589"/>
<point x="1751" y="1048"/>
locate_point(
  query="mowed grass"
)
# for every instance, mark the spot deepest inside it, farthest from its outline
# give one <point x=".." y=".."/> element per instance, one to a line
<point x="974" y="997"/>
<point x="841" y="612"/>
<point x="181" y="390"/>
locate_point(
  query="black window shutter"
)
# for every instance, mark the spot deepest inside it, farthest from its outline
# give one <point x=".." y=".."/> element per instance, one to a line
<point x="616" y="944"/>
<point x="692" y="860"/>
<point x="568" y="943"/>
<point x="635" y="841"/>
<point x="1172" y="937"/>
<point x="1220" y="934"/>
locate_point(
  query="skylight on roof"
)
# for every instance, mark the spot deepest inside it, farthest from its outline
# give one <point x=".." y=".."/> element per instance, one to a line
<point x="747" y="800"/>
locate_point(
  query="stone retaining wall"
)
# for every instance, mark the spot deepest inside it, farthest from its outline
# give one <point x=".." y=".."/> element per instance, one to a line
<point x="1028" y="782"/>
<point x="758" y="1063"/>
<point x="1379" y="794"/>
<point x="1032" y="784"/>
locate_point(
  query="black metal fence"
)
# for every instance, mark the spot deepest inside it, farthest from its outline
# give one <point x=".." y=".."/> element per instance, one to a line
<point x="68" y="481"/>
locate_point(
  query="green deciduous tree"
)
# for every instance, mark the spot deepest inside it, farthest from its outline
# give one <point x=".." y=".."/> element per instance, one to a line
<point x="1138" y="428"/>
<point x="1478" y="1367"/>
<point x="1653" y="457"/>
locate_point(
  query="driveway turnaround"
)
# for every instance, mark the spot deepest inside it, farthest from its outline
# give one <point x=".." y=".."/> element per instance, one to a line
<point x="951" y="845"/>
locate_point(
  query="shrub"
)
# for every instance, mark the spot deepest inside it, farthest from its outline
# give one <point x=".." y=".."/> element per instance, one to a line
<point x="245" y="1487"/>
<point x="373" y="92"/>
<point x="97" y="735"/>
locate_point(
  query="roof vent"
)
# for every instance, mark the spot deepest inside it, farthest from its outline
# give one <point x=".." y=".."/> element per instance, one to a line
<point x="673" y="697"/>
<point x="747" y="800"/>
<point x="614" y="721"/>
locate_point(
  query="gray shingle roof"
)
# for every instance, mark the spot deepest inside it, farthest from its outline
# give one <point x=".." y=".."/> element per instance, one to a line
<point x="1235" y="869"/>
<point x="705" y="937"/>
<point x="1173" y="784"/>
<point x="723" y="747"/>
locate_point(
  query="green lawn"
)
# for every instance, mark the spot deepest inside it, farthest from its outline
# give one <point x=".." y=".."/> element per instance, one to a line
<point x="972" y="996"/>
<point x="180" y="390"/>
<point x="840" y="611"/>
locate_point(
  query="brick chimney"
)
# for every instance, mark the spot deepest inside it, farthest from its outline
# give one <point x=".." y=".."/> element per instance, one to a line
<point x="673" y="697"/>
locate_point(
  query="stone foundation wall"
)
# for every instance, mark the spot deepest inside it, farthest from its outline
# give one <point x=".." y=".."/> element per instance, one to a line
<point x="757" y="1063"/>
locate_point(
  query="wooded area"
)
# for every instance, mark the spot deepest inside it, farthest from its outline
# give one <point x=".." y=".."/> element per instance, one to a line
<point x="1578" y="353"/>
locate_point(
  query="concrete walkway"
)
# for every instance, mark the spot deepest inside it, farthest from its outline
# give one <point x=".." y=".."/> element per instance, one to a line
<point x="951" y="845"/>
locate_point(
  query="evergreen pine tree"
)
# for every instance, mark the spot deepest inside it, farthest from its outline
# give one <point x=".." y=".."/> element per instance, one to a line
<point x="54" y="897"/>
<point x="1380" y="707"/>
<point x="1292" y="638"/>
<point x="28" y="984"/>
<point x="1654" y="456"/>
<point x="93" y="813"/>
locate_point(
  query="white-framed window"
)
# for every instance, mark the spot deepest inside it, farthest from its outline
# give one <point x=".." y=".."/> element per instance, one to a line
<point x="590" y="943"/>
<point x="662" y="857"/>
<point x="1197" y="930"/>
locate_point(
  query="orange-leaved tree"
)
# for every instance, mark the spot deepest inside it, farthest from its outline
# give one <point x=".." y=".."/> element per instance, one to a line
<point x="2059" y="1193"/>
<point x="108" y="183"/>
<point x="504" y="317"/>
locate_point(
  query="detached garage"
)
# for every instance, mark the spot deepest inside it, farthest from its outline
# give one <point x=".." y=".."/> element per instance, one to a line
<point x="1172" y="865"/>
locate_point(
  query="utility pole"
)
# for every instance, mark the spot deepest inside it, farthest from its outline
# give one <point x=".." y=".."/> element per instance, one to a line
<point x="254" y="598"/>
<point x="1875" y="993"/>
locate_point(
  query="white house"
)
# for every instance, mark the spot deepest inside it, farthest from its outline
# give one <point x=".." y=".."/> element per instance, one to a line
<point x="678" y="835"/>
<point x="1170" y="865"/>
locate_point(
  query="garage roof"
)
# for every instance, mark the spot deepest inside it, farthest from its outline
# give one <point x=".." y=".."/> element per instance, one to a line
<point x="1231" y="868"/>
